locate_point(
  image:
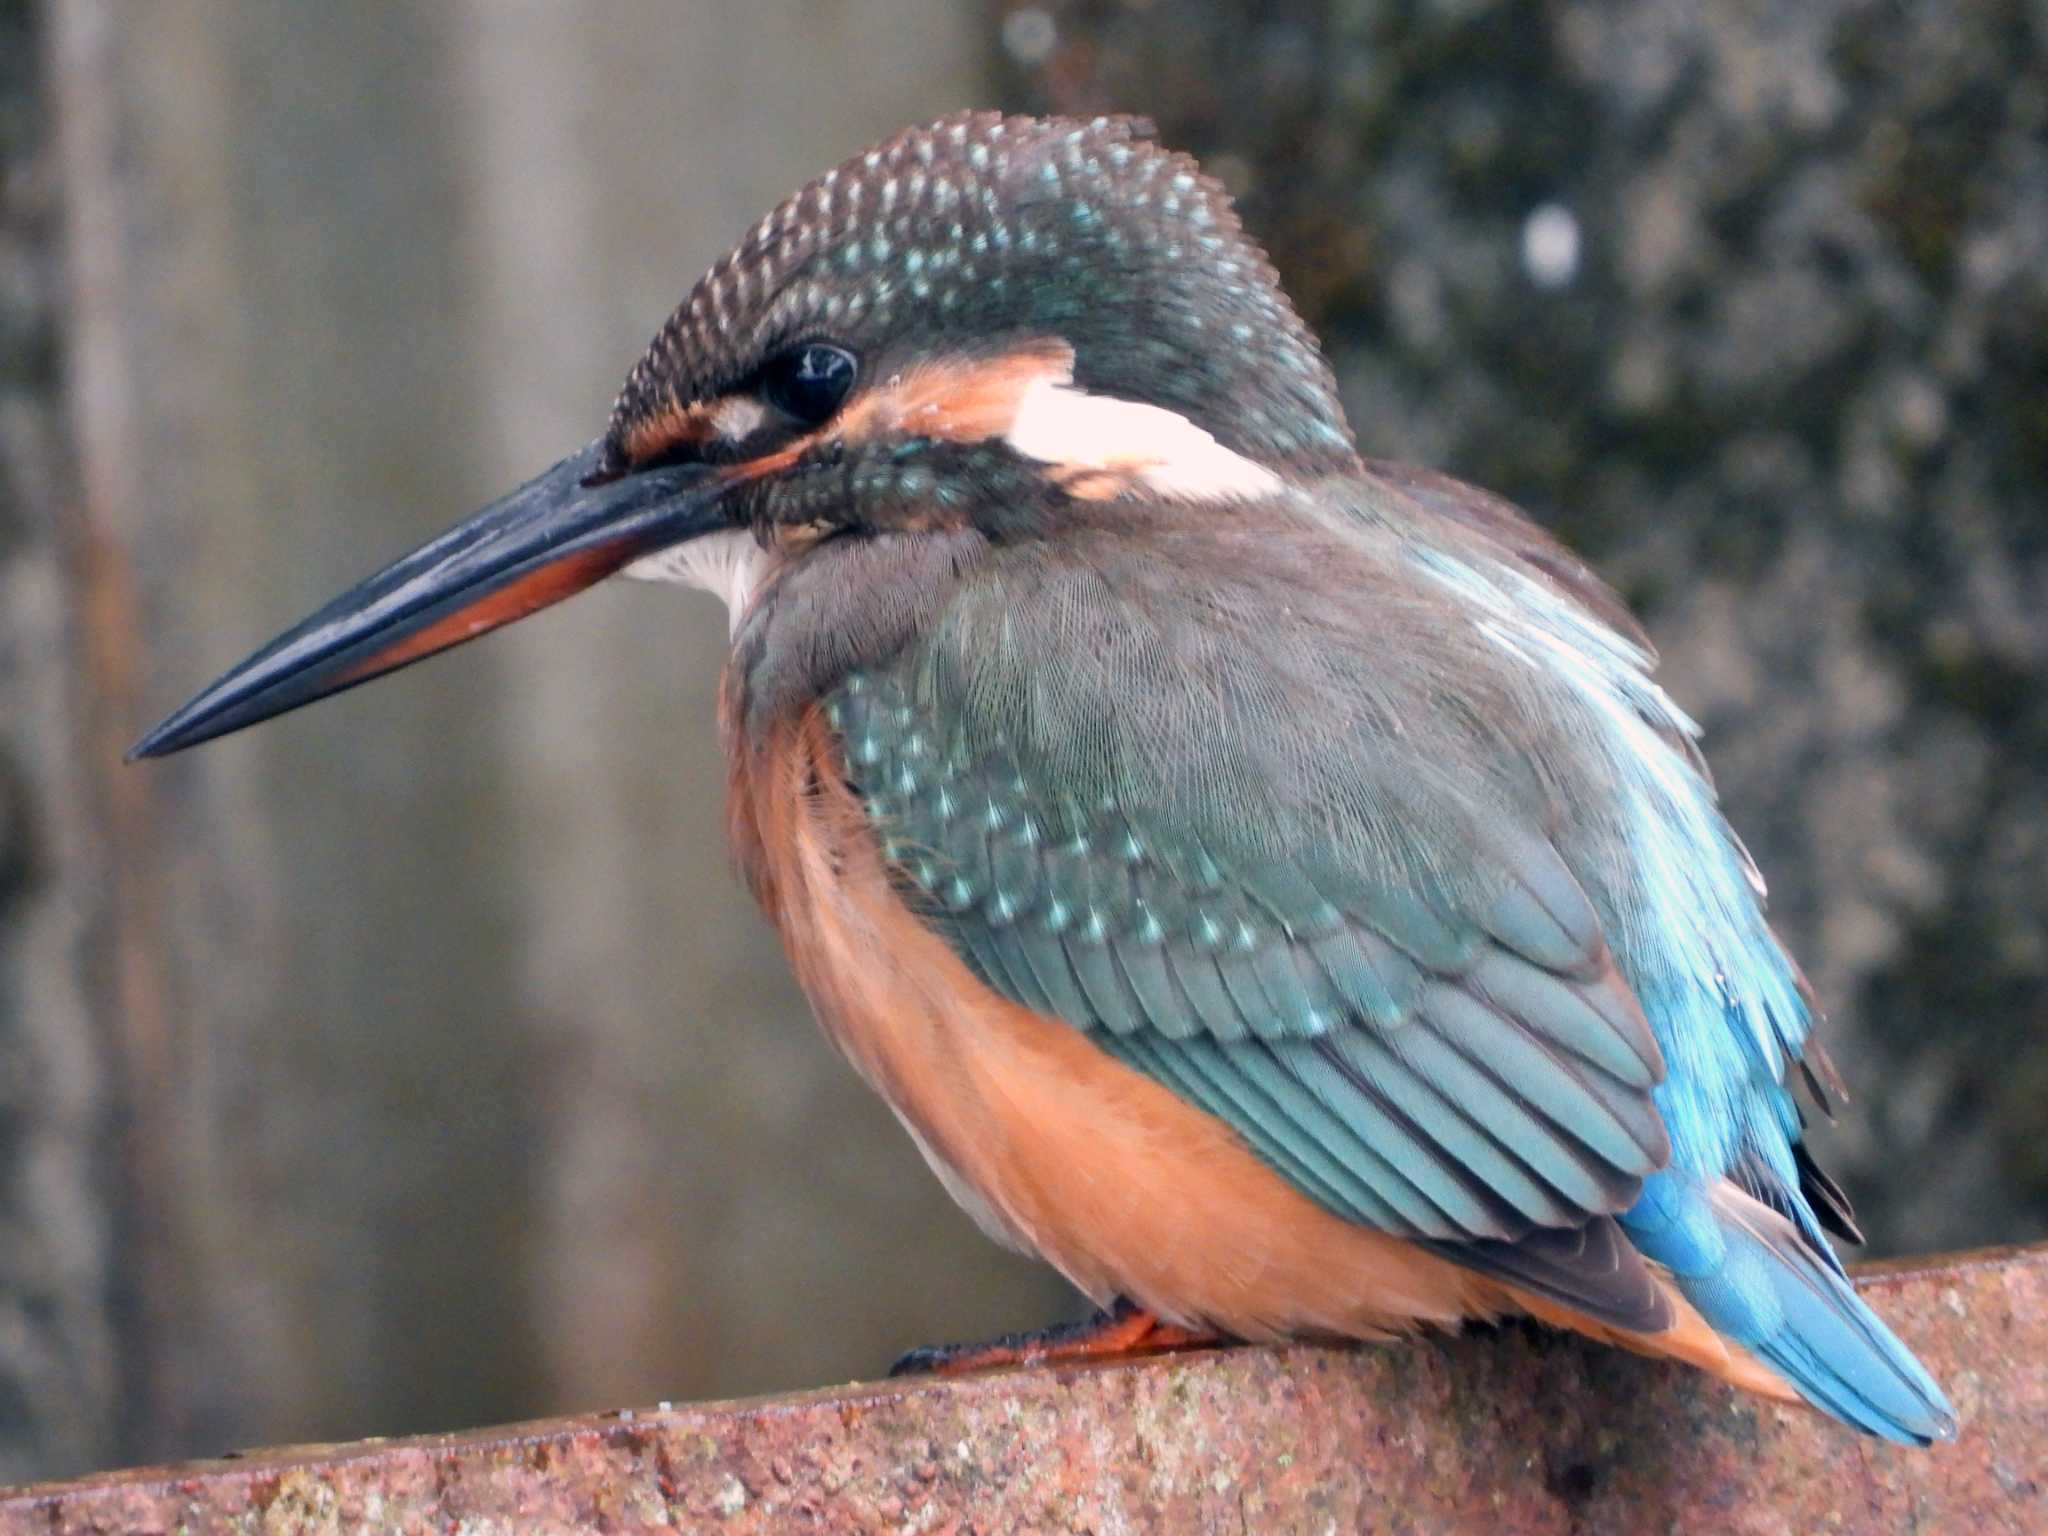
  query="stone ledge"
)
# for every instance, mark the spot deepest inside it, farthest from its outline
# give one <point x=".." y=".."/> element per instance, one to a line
<point x="1509" y="1432"/>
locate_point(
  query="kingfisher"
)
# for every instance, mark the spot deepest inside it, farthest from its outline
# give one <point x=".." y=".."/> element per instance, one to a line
<point x="1265" y="881"/>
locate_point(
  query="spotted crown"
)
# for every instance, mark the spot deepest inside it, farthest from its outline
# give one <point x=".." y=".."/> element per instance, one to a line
<point x="975" y="231"/>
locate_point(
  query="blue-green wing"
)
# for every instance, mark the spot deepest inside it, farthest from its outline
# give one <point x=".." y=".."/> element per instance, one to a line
<point x="1402" y="1001"/>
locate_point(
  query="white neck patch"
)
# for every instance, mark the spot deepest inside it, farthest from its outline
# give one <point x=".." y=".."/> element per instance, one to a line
<point x="1112" y="444"/>
<point x="731" y="564"/>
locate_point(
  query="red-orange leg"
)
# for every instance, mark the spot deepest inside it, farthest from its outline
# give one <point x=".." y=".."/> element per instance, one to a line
<point x="1124" y="1331"/>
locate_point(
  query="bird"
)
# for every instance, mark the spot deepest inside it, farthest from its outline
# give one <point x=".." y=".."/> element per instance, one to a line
<point x="1266" y="882"/>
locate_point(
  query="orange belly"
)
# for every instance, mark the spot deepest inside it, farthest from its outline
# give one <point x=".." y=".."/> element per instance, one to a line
<point x="1064" y="1151"/>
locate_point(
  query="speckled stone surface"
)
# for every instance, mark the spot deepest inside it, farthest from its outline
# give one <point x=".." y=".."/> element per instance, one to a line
<point x="1507" y="1432"/>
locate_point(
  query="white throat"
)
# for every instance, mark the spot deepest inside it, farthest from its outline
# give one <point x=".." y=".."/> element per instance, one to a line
<point x="731" y="564"/>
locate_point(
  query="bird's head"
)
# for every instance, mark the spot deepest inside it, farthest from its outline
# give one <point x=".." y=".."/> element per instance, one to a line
<point x="963" y="330"/>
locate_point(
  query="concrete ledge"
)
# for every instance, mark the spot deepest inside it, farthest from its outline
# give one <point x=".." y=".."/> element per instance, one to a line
<point x="1508" y="1432"/>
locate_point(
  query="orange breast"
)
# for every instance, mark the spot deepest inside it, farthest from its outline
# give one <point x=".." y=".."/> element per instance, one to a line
<point x="1058" y="1147"/>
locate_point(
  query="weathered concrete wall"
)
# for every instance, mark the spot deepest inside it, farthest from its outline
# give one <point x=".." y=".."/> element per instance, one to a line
<point x="61" y="1382"/>
<point x="1502" y="1434"/>
<point x="1751" y="303"/>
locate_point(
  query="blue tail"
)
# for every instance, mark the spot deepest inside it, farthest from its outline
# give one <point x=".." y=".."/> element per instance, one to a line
<point x="1760" y="1284"/>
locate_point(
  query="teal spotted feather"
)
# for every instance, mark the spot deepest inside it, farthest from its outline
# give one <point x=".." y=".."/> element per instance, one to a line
<point x="1271" y="993"/>
<point x="1475" y="966"/>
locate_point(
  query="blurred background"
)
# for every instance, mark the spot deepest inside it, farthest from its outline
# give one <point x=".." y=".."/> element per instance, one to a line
<point x="416" y="1061"/>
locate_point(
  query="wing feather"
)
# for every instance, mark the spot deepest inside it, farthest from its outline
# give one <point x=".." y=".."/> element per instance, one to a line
<point x="1372" y="963"/>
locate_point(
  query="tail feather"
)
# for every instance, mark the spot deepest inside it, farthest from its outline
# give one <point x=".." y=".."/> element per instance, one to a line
<point x="1688" y="1338"/>
<point x="1760" y="1285"/>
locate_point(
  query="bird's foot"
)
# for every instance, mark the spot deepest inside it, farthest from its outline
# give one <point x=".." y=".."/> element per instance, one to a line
<point x="1126" y="1329"/>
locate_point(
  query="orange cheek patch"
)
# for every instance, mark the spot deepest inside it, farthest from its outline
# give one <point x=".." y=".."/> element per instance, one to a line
<point x="730" y="418"/>
<point x="962" y="400"/>
<point x="668" y="429"/>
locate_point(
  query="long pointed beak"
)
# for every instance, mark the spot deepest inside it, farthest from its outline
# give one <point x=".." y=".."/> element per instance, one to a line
<point x="548" y="540"/>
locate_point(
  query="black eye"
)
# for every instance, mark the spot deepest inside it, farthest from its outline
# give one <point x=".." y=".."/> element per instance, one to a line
<point x="809" y="382"/>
